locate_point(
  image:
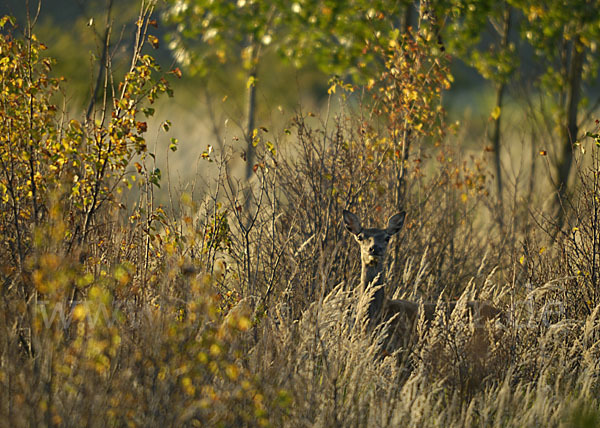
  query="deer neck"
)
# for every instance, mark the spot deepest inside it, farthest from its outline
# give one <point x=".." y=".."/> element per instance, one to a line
<point x="373" y="275"/>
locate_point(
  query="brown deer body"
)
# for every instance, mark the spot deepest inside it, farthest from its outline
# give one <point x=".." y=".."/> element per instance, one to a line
<point x="373" y="244"/>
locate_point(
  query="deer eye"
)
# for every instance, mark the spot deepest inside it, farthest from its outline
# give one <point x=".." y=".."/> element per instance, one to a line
<point x="387" y="238"/>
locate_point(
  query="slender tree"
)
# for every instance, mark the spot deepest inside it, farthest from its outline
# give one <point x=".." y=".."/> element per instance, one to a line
<point x="480" y="34"/>
<point x="563" y="36"/>
<point x="216" y="36"/>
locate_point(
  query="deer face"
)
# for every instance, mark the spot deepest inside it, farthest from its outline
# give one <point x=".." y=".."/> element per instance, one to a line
<point x="373" y="242"/>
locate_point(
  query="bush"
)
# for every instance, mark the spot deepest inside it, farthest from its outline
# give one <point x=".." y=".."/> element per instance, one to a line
<point x="240" y="309"/>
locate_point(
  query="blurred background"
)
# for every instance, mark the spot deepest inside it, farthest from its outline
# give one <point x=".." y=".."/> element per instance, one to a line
<point x="524" y="73"/>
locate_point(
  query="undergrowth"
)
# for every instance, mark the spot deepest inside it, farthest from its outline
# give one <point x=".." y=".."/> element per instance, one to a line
<point x="239" y="308"/>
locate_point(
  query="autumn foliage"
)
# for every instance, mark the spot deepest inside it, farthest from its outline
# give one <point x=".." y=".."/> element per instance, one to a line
<point x="238" y="307"/>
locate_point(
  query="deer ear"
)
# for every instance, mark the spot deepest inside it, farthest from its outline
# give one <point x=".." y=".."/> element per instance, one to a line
<point x="352" y="222"/>
<point x="395" y="223"/>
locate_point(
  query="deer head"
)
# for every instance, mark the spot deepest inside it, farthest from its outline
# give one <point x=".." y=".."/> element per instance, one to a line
<point x="373" y="245"/>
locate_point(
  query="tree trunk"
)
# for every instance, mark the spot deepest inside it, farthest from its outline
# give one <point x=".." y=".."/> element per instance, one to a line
<point x="103" y="61"/>
<point x="407" y="18"/>
<point x="495" y="138"/>
<point x="250" y="122"/>
<point x="570" y="127"/>
<point x="496" y="133"/>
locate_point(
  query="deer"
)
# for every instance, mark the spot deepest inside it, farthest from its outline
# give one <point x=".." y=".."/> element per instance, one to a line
<point x="373" y="244"/>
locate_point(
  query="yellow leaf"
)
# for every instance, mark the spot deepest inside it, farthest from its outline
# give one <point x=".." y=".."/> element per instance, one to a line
<point x="188" y="386"/>
<point x="522" y="259"/>
<point x="79" y="312"/>
<point x="496" y="113"/>
<point x="331" y="89"/>
<point x="232" y="371"/>
<point x="153" y="41"/>
<point x="244" y="323"/>
<point x="215" y="349"/>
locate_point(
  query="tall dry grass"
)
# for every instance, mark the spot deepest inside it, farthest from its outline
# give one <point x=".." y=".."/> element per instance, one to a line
<point x="239" y="308"/>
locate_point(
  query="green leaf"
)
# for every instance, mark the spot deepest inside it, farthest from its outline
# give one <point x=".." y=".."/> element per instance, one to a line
<point x="155" y="177"/>
<point x="148" y="111"/>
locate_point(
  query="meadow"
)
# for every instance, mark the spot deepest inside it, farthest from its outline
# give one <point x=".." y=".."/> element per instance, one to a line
<point x="129" y="298"/>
